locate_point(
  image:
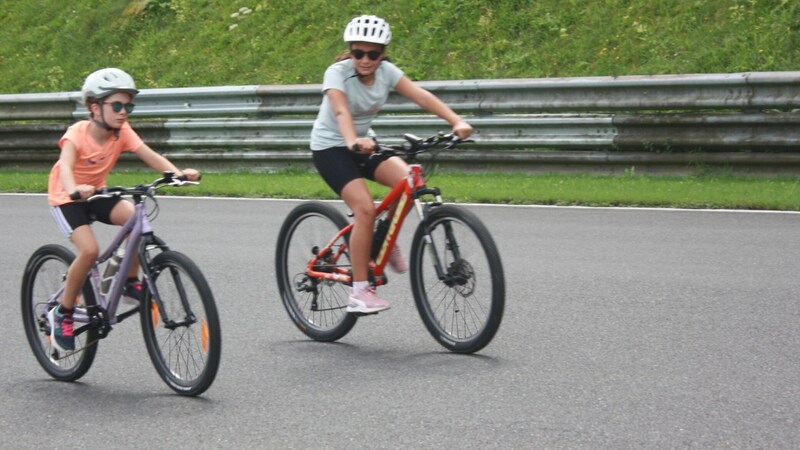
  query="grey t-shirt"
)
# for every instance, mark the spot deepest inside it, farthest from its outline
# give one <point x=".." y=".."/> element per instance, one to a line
<point x="364" y="101"/>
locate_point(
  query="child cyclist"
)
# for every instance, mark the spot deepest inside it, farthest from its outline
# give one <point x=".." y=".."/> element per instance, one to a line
<point x="355" y="88"/>
<point x="89" y="151"/>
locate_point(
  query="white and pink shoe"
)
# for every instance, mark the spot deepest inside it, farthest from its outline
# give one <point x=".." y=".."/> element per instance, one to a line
<point x="396" y="260"/>
<point x="366" y="301"/>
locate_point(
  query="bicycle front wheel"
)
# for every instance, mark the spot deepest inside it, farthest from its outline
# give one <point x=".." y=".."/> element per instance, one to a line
<point x="43" y="279"/>
<point x="317" y="307"/>
<point x="459" y="288"/>
<point x="181" y="326"/>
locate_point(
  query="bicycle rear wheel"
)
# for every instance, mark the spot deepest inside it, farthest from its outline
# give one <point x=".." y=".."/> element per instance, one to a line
<point x="462" y="305"/>
<point x="181" y="331"/>
<point x="317" y="307"/>
<point x="43" y="278"/>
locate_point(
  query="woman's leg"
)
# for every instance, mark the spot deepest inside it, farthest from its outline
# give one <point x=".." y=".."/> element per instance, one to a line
<point x="357" y="197"/>
<point x="363" y="298"/>
<point x="391" y="171"/>
<point x="360" y="201"/>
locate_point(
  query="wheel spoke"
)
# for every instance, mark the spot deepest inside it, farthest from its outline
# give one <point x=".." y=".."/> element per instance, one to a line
<point x="462" y="308"/>
<point x="182" y="331"/>
<point x="41" y="286"/>
<point x="317" y="306"/>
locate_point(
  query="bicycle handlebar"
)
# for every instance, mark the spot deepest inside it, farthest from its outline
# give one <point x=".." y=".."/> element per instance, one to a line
<point x="414" y="145"/>
<point x="142" y="189"/>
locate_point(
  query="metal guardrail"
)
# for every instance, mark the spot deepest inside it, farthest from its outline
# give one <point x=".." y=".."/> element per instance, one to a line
<point x="738" y="91"/>
<point x="652" y="119"/>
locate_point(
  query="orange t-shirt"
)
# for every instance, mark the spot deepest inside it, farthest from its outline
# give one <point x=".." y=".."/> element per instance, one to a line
<point x="94" y="161"/>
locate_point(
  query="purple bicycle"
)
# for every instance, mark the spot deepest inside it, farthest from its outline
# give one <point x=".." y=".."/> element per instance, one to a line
<point x="178" y="314"/>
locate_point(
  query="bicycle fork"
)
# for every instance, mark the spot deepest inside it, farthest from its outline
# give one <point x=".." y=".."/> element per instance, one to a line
<point x="423" y="211"/>
<point x="455" y="273"/>
<point x="151" y="242"/>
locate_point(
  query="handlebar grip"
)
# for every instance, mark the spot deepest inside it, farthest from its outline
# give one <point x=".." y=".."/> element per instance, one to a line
<point x="185" y="178"/>
<point x="77" y="195"/>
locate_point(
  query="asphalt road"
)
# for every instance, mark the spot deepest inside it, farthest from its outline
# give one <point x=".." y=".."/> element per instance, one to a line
<point x="623" y="329"/>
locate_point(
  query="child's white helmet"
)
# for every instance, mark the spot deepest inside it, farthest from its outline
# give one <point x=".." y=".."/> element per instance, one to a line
<point x="105" y="82"/>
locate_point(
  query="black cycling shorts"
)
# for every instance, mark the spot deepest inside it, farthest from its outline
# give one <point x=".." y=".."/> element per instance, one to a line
<point x="70" y="216"/>
<point x="339" y="166"/>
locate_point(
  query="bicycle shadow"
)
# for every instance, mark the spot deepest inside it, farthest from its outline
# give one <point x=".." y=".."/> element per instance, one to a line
<point x="346" y="355"/>
<point x="94" y="397"/>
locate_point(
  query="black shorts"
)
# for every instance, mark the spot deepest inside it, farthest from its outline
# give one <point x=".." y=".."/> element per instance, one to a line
<point x="339" y="166"/>
<point x="70" y="216"/>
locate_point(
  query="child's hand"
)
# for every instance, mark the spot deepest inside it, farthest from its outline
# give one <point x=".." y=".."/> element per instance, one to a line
<point x="85" y="190"/>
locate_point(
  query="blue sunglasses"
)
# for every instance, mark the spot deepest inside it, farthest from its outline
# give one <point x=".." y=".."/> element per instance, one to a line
<point x="117" y="106"/>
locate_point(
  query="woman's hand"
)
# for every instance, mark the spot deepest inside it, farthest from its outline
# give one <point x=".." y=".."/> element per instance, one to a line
<point x="191" y="174"/>
<point x="462" y="129"/>
<point x="364" y="145"/>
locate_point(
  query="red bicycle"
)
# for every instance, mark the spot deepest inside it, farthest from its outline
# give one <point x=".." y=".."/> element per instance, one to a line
<point x="459" y="288"/>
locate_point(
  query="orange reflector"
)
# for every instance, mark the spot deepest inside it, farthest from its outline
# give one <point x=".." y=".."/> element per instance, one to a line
<point x="154" y="314"/>
<point x="204" y="335"/>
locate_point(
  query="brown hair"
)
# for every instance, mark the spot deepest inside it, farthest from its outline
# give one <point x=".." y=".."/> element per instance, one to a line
<point x="342" y="56"/>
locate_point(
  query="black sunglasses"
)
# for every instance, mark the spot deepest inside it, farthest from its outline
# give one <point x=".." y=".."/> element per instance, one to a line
<point x="117" y="106"/>
<point x="373" y="54"/>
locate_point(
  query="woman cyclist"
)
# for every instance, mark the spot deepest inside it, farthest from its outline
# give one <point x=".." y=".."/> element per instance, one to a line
<point x="355" y="88"/>
<point x="89" y="150"/>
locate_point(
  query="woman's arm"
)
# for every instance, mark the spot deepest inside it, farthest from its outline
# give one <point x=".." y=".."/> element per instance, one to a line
<point x="432" y="104"/>
<point x="341" y="110"/>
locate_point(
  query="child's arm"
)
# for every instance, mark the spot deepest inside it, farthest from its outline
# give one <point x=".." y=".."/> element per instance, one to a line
<point x="68" y="157"/>
<point x="162" y="164"/>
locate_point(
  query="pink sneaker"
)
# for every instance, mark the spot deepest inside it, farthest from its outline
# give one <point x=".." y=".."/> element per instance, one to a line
<point x="396" y="260"/>
<point x="366" y="301"/>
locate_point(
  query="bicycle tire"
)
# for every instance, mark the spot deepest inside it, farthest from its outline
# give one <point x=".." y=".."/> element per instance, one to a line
<point x="44" y="275"/>
<point x="186" y="350"/>
<point x="463" y="310"/>
<point x="318" y="309"/>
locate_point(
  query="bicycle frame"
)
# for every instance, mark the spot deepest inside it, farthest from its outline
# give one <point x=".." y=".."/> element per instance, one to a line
<point x="403" y="195"/>
<point x="455" y="269"/>
<point x="181" y="329"/>
<point x="135" y="228"/>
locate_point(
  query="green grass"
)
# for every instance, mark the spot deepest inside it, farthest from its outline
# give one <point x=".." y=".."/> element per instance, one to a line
<point x="180" y="43"/>
<point x="183" y="43"/>
<point x="707" y="191"/>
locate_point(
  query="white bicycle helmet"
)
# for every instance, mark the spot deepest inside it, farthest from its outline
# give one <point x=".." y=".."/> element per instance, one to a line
<point x="105" y="82"/>
<point x="368" y="29"/>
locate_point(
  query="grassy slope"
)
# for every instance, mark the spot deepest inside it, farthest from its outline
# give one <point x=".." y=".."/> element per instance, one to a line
<point x="51" y="45"/>
<point x="198" y="43"/>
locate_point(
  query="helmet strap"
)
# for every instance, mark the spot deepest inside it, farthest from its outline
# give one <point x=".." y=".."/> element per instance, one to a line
<point x="103" y="123"/>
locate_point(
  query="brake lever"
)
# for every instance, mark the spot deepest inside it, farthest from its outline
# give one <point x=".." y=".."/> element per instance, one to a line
<point x="456" y="141"/>
<point x="186" y="182"/>
<point x="180" y="181"/>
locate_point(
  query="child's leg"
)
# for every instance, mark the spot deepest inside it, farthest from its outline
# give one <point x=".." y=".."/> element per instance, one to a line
<point x="122" y="211"/>
<point x="86" y="245"/>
